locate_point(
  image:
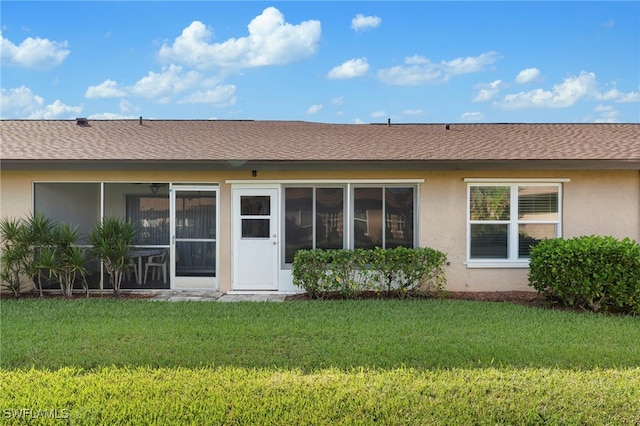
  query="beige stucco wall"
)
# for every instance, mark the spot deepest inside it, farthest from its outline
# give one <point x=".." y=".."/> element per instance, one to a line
<point x="594" y="202"/>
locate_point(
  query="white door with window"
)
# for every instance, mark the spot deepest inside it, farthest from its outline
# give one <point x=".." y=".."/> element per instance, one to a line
<point x="255" y="239"/>
<point x="194" y="247"/>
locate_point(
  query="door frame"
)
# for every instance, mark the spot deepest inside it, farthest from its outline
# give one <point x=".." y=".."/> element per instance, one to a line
<point x="238" y="190"/>
<point x="210" y="283"/>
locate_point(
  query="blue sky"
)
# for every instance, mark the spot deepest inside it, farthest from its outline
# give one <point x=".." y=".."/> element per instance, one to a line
<point x="335" y="62"/>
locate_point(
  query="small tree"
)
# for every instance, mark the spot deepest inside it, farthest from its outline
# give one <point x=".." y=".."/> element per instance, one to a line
<point x="112" y="240"/>
<point x="65" y="261"/>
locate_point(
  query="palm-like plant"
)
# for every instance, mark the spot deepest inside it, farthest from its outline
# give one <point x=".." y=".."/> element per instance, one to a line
<point x="15" y="251"/>
<point x="65" y="260"/>
<point x="111" y="241"/>
<point x="39" y="234"/>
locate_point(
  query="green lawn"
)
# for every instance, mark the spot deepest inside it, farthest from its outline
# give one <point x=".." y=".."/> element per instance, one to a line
<point x="316" y="362"/>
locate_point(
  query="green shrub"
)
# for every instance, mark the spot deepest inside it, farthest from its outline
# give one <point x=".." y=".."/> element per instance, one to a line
<point x="590" y="272"/>
<point x="399" y="271"/>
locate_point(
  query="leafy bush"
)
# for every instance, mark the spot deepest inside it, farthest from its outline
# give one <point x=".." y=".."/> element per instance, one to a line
<point x="590" y="272"/>
<point x="399" y="270"/>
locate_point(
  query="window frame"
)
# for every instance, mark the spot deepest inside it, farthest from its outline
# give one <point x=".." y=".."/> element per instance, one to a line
<point x="384" y="187"/>
<point x="513" y="259"/>
<point x="349" y="208"/>
<point x="313" y="225"/>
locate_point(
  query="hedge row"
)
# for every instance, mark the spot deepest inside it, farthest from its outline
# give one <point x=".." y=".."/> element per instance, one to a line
<point x="590" y="272"/>
<point x="230" y="395"/>
<point x="399" y="270"/>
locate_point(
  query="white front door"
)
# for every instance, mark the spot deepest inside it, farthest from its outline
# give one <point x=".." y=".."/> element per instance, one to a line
<point x="255" y="238"/>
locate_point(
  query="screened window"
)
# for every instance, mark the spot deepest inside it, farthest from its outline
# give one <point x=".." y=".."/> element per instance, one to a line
<point x="314" y="218"/>
<point x="376" y="216"/>
<point x="77" y="204"/>
<point x="150" y="214"/>
<point x="383" y="217"/>
<point x="506" y="220"/>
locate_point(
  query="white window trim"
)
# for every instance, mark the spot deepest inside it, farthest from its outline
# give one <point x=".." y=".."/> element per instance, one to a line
<point x="513" y="261"/>
<point x="319" y="182"/>
<point x="506" y="180"/>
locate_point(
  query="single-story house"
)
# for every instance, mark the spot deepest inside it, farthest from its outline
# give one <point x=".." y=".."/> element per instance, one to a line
<point x="224" y="205"/>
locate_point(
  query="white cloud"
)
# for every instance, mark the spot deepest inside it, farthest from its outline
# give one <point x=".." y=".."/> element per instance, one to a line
<point x="314" y="109"/>
<point x="416" y="60"/>
<point x="56" y="110"/>
<point x="168" y="82"/>
<point x="472" y="116"/>
<point x="110" y="116"/>
<point x="337" y="101"/>
<point x="470" y="64"/>
<point x="23" y="103"/>
<point x="488" y="91"/>
<point x="609" y="95"/>
<point x="420" y="70"/>
<point x="164" y="86"/>
<point x="357" y="121"/>
<point x="271" y="41"/>
<point x="38" y="53"/>
<point x="527" y="75"/>
<point x="363" y="23"/>
<point x="378" y="114"/>
<point x="221" y="95"/>
<point x="607" y="114"/>
<point x="19" y="102"/>
<point x="564" y="94"/>
<point x="352" y="68"/>
<point x="617" y="96"/>
<point x="106" y="89"/>
<point x="629" y="97"/>
<point x="413" y="112"/>
<point x="126" y="106"/>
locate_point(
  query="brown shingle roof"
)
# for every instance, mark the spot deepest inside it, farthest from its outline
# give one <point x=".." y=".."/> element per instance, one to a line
<point x="200" y="140"/>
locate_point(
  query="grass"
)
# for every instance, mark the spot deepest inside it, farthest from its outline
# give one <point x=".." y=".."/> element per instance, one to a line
<point x="232" y="395"/>
<point x="310" y="335"/>
<point x="315" y="362"/>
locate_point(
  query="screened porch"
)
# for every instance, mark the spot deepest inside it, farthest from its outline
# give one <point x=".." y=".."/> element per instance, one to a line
<point x="156" y="261"/>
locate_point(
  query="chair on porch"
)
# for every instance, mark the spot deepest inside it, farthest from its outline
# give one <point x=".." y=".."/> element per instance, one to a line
<point x="157" y="264"/>
<point x="131" y="266"/>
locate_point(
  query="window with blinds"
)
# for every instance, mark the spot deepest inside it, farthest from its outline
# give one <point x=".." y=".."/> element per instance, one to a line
<point x="506" y="220"/>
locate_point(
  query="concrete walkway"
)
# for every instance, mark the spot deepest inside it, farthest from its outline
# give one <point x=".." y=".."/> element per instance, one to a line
<point x="214" y="296"/>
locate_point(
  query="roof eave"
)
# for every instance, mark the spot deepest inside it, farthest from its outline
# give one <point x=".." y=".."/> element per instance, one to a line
<point x="318" y="165"/>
